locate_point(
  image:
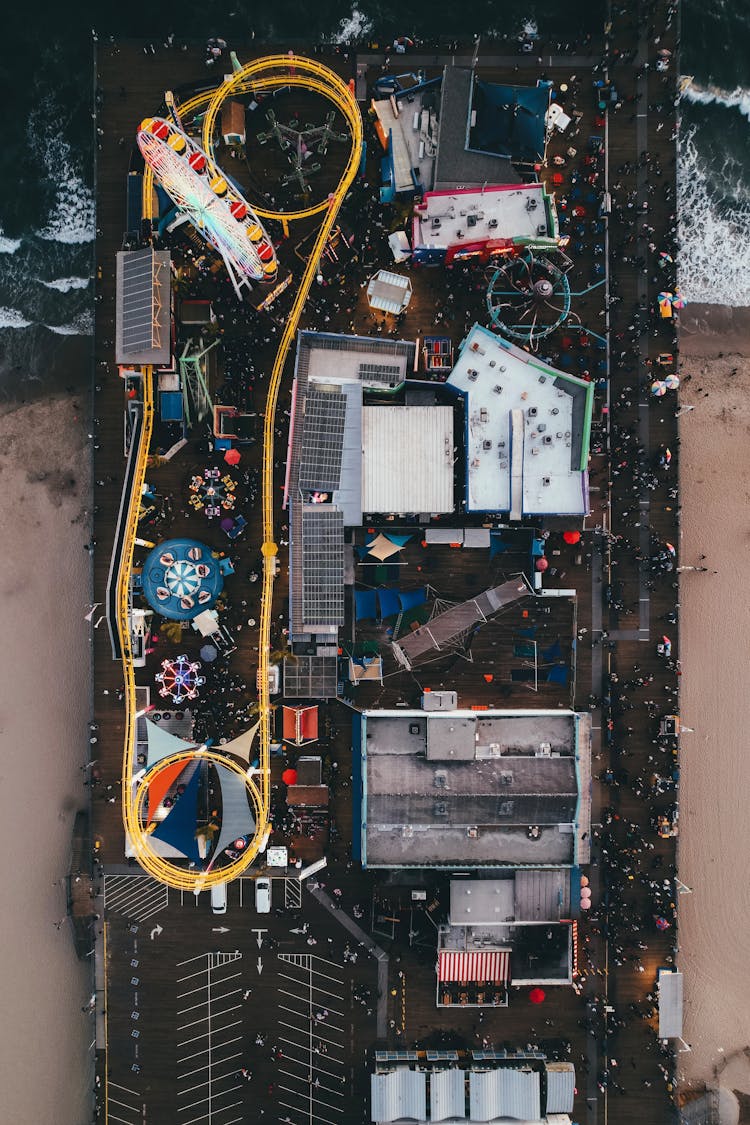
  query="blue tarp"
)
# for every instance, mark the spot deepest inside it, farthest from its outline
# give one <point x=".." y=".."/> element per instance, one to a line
<point x="496" y="545"/>
<point x="365" y="604"/>
<point x="178" y="827"/>
<point x="390" y="602"/>
<point x="412" y="598"/>
<point x="509" y="120"/>
<point x="558" y="675"/>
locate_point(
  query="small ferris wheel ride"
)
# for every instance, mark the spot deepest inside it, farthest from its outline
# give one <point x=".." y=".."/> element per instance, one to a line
<point x="528" y="295"/>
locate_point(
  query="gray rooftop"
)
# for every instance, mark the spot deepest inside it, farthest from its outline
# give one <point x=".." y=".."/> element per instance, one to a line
<point x="425" y="810"/>
<point x="454" y="166"/>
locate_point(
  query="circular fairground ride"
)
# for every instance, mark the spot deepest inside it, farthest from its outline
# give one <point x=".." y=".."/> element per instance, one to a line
<point x="528" y="296"/>
<point x="180" y="679"/>
<point x="204" y="197"/>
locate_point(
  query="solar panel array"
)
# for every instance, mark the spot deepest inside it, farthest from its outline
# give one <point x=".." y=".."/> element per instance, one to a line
<point x="322" y="565"/>
<point x="322" y="440"/>
<point x="311" y="677"/>
<point x="139" y="300"/>
<point x="386" y="373"/>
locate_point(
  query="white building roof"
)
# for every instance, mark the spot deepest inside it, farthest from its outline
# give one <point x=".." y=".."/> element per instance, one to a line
<point x="407" y="463"/>
<point x="402" y="1093"/>
<point x="389" y="292"/>
<point x="670" y="1004"/>
<point x="527" y="430"/>
<point x="447" y="1094"/>
<point x="505" y="1092"/>
<point x="515" y="211"/>
<point x="561" y="1087"/>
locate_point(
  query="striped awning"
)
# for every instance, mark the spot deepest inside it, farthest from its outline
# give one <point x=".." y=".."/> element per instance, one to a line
<point x="492" y="967"/>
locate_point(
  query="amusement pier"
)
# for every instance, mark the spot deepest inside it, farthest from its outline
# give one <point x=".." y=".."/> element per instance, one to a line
<point x="385" y="746"/>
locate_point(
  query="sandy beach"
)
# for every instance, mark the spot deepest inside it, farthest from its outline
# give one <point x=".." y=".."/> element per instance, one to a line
<point x="46" y="1068"/>
<point x="714" y="630"/>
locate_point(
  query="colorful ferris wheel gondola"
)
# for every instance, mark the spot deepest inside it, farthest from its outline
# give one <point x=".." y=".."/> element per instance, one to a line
<point x="215" y="208"/>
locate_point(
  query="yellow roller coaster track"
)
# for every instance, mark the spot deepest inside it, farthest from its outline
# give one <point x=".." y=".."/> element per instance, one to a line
<point x="269" y="73"/>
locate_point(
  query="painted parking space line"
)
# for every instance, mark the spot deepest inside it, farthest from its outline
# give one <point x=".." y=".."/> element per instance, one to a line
<point x="208" y="1043"/>
<point x="136" y="897"/>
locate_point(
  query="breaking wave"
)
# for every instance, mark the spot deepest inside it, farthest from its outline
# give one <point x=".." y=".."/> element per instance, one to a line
<point x="713" y="95"/>
<point x="13" y="318"/>
<point x="714" y="260"/>
<point x="8" y="245"/>
<point x="66" y="284"/>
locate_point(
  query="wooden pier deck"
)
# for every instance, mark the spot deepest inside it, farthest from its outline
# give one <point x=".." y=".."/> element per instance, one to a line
<point x="157" y="940"/>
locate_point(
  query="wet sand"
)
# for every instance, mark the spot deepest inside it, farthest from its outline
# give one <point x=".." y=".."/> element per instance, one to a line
<point x="714" y="841"/>
<point x="46" y="1071"/>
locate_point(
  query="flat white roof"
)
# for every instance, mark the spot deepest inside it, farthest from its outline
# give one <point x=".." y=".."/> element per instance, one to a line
<point x="527" y="430"/>
<point x="407" y="461"/>
<point x="510" y="212"/>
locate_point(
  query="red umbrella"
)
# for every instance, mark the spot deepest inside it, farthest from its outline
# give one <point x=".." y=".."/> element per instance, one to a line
<point x="537" y="996"/>
<point x="542" y="563"/>
<point x="289" y="777"/>
<point x="233" y="457"/>
<point x="572" y="537"/>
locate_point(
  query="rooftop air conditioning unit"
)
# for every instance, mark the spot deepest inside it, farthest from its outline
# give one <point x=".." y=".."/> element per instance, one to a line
<point x="441" y="779"/>
<point x="473" y="374"/>
<point x="472" y="832"/>
<point x="506" y="778"/>
<point x="493" y="363"/>
<point x="541" y="228"/>
<point x="407" y="832"/>
<point x="545" y="750"/>
<point x="492" y="224"/>
<point x="440" y="808"/>
<point x="531" y="204"/>
<point x="541" y="427"/>
<point x="535" y="451"/>
<point x="542" y="378"/>
<point x="494" y="748"/>
<point x="414" y="728"/>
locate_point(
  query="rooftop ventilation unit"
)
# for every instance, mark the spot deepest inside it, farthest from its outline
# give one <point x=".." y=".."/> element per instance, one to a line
<point x="506" y="778"/>
<point x="546" y="481"/>
<point x="547" y="439"/>
<point x="414" y="728"/>
<point x="497" y="389"/>
<point x="472" y="374"/>
<point x="441" y="779"/>
<point x="532" y="412"/>
<point x="472" y="832"/>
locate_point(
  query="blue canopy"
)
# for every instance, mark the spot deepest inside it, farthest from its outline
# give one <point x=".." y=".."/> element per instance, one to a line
<point x="389" y="601"/>
<point x="554" y="652"/>
<point x="179" y="825"/>
<point x="399" y="540"/>
<point x="496" y="544"/>
<point x="365" y="604"/>
<point x="558" y="675"/>
<point x="509" y="120"/>
<point x="410" y="599"/>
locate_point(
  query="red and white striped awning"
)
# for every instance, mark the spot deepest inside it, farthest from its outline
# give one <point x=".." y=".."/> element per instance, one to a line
<point x="476" y="968"/>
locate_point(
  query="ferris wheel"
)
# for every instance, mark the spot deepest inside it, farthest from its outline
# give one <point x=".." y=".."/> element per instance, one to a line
<point x="217" y="211"/>
<point x="528" y="296"/>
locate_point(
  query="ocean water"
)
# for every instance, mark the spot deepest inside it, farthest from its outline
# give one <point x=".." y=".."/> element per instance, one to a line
<point x="47" y="211"/>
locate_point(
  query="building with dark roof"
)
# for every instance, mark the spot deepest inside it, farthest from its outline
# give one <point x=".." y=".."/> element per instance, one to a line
<point x="474" y="789"/>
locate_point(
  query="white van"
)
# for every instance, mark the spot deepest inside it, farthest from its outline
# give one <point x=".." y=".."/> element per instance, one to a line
<point x="263" y="896"/>
<point x="219" y="898"/>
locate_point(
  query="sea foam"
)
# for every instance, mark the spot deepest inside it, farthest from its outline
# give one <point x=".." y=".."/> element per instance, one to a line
<point x="8" y="245"/>
<point x="66" y="284"/>
<point x="714" y="259"/>
<point x="13" y="318"/>
<point x="356" y="26"/>
<point x="83" y="325"/>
